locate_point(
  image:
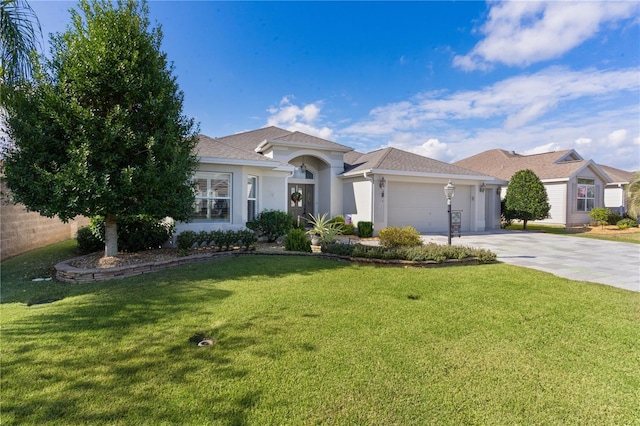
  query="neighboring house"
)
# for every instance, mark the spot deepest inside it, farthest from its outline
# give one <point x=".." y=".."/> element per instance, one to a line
<point x="574" y="185"/>
<point x="615" y="194"/>
<point x="241" y="175"/>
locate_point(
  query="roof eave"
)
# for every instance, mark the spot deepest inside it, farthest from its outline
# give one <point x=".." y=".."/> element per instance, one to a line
<point x="265" y="145"/>
<point x="483" y="178"/>
<point x="239" y="162"/>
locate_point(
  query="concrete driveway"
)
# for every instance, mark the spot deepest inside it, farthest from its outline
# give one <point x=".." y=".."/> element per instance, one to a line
<point x="584" y="259"/>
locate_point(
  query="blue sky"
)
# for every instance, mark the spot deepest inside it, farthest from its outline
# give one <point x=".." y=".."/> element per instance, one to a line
<point x="443" y="79"/>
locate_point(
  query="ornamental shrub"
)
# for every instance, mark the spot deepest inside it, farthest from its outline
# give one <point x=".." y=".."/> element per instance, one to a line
<point x="296" y="240"/>
<point x="614" y="218"/>
<point x="186" y="239"/>
<point x="246" y="238"/>
<point x="88" y="242"/>
<point x="365" y="229"/>
<point x="227" y="240"/>
<point x="600" y="215"/>
<point x="431" y="252"/>
<point x="344" y="228"/>
<point x="348" y="229"/>
<point x="627" y="223"/>
<point x="136" y="233"/>
<point x="272" y="224"/>
<point x="393" y="236"/>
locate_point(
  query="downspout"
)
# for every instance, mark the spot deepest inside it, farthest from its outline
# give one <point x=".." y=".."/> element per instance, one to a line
<point x="373" y="193"/>
<point x="286" y="187"/>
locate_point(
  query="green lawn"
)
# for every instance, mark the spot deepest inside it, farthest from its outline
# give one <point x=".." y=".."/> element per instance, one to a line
<point x="302" y="340"/>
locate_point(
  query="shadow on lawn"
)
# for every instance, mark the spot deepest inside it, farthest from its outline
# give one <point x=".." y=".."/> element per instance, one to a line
<point x="122" y="351"/>
<point x="18" y="287"/>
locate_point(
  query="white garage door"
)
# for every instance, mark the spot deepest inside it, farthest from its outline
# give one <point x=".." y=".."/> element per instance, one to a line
<point x="424" y="206"/>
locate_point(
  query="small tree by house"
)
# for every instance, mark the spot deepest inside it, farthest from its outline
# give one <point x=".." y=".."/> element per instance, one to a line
<point x="526" y="198"/>
<point x="600" y="215"/>
<point x="100" y="130"/>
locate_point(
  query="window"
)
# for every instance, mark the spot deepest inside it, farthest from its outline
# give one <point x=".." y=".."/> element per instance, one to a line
<point x="586" y="195"/>
<point x="252" y="198"/>
<point x="213" y="197"/>
<point x="302" y="173"/>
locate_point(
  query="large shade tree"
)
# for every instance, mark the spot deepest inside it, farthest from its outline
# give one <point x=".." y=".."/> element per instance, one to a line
<point x="101" y="129"/>
<point x="526" y="198"/>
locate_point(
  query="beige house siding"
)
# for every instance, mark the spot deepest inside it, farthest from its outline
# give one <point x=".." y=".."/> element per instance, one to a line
<point x="575" y="217"/>
<point x="557" y="196"/>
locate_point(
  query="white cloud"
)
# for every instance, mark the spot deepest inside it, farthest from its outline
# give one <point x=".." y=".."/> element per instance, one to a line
<point x="517" y="101"/>
<point x="583" y="141"/>
<point x="295" y="118"/>
<point x="433" y="148"/>
<point x="549" y="147"/>
<point x="519" y="33"/>
<point x="617" y="137"/>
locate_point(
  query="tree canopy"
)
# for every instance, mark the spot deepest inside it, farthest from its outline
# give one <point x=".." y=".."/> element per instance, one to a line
<point x="100" y="131"/>
<point x="526" y="198"/>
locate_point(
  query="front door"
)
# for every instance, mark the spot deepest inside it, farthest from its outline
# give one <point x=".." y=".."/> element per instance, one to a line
<point x="300" y="200"/>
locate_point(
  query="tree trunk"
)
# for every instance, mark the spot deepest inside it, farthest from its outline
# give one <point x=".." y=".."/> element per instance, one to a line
<point x="524" y="224"/>
<point x="110" y="236"/>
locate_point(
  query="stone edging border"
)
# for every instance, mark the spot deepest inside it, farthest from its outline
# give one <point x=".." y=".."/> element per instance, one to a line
<point x="70" y="274"/>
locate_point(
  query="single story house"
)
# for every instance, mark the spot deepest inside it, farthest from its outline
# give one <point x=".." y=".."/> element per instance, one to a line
<point x="240" y="175"/>
<point x="574" y="185"/>
<point x="615" y="193"/>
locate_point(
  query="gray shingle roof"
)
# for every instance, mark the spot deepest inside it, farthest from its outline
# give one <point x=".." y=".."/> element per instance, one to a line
<point x="617" y="175"/>
<point x="305" y="139"/>
<point x="251" y="139"/>
<point x="504" y="164"/>
<point x="219" y="148"/>
<point x="398" y="160"/>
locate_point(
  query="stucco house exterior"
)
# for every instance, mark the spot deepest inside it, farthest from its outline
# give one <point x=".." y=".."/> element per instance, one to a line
<point x="574" y="185"/>
<point x="240" y="175"/>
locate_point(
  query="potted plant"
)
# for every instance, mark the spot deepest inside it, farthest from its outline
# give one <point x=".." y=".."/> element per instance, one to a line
<point x="322" y="230"/>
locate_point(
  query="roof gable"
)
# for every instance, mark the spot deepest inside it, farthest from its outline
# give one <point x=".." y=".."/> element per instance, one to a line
<point x="219" y="149"/>
<point x="299" y="139"/>
<point x="250" y="140"/>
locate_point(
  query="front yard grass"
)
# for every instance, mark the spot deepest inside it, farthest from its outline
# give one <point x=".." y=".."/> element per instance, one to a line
<point x="303" y="340"/>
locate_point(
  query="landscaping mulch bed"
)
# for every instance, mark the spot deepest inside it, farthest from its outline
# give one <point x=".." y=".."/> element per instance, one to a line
<point x="96" y="260"/>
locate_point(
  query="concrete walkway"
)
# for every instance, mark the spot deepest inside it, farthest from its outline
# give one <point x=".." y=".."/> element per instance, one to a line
<point x="607" y="262"/>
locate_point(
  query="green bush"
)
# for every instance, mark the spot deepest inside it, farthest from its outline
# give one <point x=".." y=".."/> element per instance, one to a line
<point x="348" y="229"/>
<point x="272" y="224"/>
<point x="600" y="215"/>
<point x="296" y="240"/>
<point x="365" y="229"/>
<point x="186" y="239"/>
<point x="393" y="236"/>
<point x="430" y="252"/>
<point x="136" y="233"/>
<point x="627" y="223"/>
<point x="88" y="242"/>
<point x="227" y="240"/>
<point x="614" y="218"/>
<point x="342" y="226"/>
<point x="246" y="238"/>
<point x="339" y="249"/>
